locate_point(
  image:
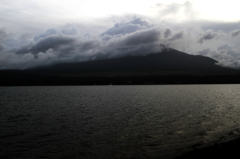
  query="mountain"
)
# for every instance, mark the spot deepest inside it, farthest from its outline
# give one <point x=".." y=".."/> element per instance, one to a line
<point x="168" y="60"/>
<point x="167" y="67"/>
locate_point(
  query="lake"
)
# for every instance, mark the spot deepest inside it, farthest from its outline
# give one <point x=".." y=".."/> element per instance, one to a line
<point x="157" y="121"/>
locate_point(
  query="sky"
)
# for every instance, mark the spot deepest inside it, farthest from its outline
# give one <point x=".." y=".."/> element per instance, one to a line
<point x="42" y="32"/>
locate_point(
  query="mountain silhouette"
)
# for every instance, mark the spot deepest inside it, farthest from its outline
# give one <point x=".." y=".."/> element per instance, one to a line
<point x="169" y="66"/>
<point x="167" y="60"/>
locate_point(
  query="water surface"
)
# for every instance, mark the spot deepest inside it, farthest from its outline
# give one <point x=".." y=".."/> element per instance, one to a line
<point x="115" y="121"/>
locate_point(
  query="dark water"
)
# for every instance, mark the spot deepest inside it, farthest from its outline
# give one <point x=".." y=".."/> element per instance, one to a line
<point x="115" y="121"/>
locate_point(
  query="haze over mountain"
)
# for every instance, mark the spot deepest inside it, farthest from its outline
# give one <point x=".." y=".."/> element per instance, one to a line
<point x="170" y="60"/>
<point x="167" y="66"/>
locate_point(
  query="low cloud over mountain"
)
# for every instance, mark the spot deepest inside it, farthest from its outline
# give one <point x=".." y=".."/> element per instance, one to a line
<point x="119" y="36"/>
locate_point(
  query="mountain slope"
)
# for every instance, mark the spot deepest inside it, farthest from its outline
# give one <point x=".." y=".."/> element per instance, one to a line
<point x="168" y="60"/>
<point x="168" y="67"/>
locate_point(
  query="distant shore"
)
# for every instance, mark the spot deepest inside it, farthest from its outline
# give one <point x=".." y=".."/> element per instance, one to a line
<point x="22" y="78"/>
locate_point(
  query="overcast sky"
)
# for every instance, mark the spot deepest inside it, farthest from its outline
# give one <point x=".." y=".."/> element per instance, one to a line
<point x="39" y="32"/>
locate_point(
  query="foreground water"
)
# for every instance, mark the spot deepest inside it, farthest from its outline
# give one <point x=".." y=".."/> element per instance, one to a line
<point x="115" y="121"/>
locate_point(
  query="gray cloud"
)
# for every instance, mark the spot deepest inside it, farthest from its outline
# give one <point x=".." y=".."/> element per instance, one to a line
<point x="27" y="41"/>
<point x="167" y="33"/>
<point x="143" y="37"/>
<point x="1" y="47"/>
<point x="52" y="46"/>
<point x="49" y="32"/>
<point x="177" y="36"/>
<point x="139" y="42"/>
<point x="170" y="11"/>
<point x="228" y="56"/>
<point x="127" y="27"/>
<point x="72" y="42"/>
<point x="207" y="36"/>
<point x="236" y="33"/>
<point x="54" y="42"/>
<point x="218" y="26"/>
<point x="3" y="37"/>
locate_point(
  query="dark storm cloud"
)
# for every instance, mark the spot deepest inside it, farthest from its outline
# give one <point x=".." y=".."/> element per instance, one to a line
<point x="84" y="46"/>
<point x="207" y="36"/>
<point x="236" y="33"/>
<point x="136" y="36"/>
<point x="137" y="43"/>
<point x="51" y="43"/>
<point x="55" y="45"/>
<point x="46" y="44"/>
<point x="177" y="36"/>
<point x="79" y="48"/>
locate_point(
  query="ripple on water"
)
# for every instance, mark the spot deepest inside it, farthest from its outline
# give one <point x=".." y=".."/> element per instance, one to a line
<point x="117" y="121"/>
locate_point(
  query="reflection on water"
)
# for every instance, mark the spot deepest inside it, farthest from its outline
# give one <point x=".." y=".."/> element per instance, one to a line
<point x="115" y="121"/>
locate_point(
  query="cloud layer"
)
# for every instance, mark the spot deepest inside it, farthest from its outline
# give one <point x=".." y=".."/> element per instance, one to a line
<point x="32" y="43"/>
<point x="135" y="36"/>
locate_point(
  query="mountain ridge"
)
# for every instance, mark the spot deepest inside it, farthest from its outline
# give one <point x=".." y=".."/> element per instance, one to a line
<point x="168" y="67"/>
<point x="169" y="59"/>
